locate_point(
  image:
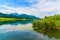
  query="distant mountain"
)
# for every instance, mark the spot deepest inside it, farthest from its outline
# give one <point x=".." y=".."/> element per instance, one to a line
<point x="16" y="15"/>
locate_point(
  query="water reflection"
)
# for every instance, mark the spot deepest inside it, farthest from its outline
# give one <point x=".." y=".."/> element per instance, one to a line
<point x="51" y="34"/>
<point x="7" y="27"/>
<point x="19" y="32"/>
<point x="24" y="30"/>
<point x="21" y="35"/>
<point x="16" y="22"/>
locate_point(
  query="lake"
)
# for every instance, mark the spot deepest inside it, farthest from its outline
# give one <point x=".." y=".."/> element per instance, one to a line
<point x="24" y="30"/>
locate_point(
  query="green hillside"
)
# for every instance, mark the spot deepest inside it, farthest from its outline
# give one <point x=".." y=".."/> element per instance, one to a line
<point x="16" y="16"/>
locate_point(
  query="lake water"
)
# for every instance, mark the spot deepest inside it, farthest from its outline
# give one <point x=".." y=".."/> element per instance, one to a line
<point x="22" y="30"/>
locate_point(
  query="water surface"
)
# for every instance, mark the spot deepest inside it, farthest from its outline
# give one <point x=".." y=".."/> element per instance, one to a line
<point x="24" y="30"/>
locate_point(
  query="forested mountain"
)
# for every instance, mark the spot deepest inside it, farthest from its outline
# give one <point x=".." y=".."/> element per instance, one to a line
<point x="16" y="15"/>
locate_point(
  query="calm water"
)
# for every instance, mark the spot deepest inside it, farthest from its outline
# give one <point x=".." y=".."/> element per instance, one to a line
<point x="24" y="30"/>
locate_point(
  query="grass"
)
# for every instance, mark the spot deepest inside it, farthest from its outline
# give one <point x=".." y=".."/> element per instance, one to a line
<point x="50" y="23"/>
<point x="10" y="19"/>
<point x="7" y="19"/>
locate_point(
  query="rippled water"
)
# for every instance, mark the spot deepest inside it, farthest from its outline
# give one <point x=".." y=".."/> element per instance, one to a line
<point x="21" y="31"/>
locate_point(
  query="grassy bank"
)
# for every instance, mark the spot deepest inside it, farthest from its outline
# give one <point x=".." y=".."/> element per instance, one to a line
<point x="11" y="19"/>
<point x="50" y="23"/>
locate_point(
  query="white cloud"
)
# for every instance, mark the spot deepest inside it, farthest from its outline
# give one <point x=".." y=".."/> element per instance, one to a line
<point x="40" y="9"/>
<point x="25" y="10"/>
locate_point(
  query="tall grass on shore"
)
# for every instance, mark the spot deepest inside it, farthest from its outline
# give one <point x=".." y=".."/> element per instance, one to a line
<point x="50" y="23"/>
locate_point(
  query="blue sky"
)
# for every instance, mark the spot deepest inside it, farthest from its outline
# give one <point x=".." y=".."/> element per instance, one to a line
<point x="39" y="8"/>
<point x="17" y="3"/>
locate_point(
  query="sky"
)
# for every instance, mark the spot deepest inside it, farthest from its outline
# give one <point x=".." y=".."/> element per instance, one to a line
<point x="39" y="8"/>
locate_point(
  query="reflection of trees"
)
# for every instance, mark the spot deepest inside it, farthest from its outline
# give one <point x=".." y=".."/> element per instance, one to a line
<point x="50" y="33"/>
<point x="15" y="22"/>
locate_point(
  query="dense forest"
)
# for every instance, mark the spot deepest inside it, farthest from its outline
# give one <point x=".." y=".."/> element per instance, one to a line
<point x="48" y="22"/>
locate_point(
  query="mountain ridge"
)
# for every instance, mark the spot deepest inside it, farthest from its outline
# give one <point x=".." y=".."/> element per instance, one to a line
<point x="16" y="15"/>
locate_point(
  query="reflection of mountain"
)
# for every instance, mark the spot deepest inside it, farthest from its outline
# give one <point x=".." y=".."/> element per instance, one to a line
<point x="16" y="22"/>
<point x="16" y="15"/>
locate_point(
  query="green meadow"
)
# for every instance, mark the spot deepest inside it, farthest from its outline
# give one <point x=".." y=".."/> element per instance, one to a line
<point x="10" y="19"/>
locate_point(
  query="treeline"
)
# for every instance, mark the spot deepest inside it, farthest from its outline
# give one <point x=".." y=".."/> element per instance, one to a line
<point x="48" y="22"/>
